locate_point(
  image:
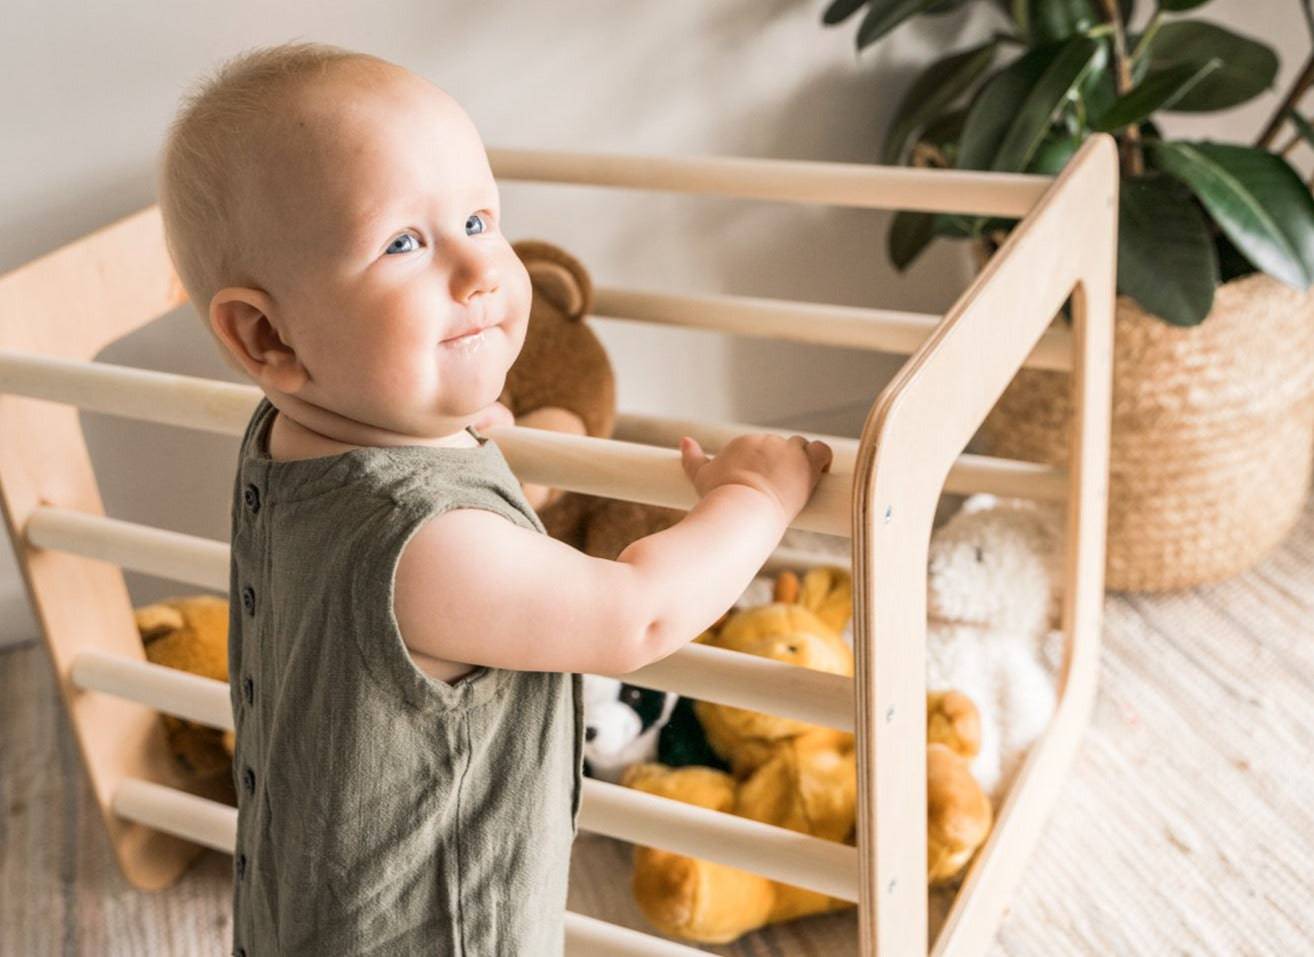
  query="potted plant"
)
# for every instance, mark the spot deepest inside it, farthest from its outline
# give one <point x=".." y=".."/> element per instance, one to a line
<point x="1213" y="406"/>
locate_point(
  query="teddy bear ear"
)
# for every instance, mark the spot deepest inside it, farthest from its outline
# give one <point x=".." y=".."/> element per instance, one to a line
<point x="557" y="276"/>
<point x="827" y="592"/>
<point x="157" y="620"/>
<point x="786" y="588"/>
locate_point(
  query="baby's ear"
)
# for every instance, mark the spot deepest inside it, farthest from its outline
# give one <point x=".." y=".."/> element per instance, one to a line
<point x="241" y="319"/>
<point x="557" y="276"/>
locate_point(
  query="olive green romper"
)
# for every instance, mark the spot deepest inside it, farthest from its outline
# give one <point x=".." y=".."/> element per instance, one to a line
<point x="380" y="810"/>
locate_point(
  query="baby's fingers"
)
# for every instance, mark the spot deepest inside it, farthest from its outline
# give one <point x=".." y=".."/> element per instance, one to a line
<point x="691" y="456"/>
<point x="821" y="455"/>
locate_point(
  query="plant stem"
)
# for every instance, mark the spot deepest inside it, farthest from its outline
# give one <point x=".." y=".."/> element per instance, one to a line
<point x="1302" y="83"/>
<point x="1129" y="144"/>
<point x="1148" y="36"/>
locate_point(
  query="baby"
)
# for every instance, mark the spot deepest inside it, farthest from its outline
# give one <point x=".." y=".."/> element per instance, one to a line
<point x="405" y="641"/>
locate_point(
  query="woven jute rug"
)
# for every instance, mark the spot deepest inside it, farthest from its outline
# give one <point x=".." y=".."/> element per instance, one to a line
<point x="1187" y="826"/>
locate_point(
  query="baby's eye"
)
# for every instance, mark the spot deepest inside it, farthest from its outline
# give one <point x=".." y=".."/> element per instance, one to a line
<point x="480" y="217"/>
<point x="392" y="247"/>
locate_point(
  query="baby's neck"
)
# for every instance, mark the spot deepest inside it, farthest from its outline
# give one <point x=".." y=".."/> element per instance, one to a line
<point x="291" y="439"/>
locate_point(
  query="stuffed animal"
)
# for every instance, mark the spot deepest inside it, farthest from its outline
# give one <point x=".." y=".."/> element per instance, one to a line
<point x="191" y="633"/>
<point x="794" y="775"/>
<point x="621" y="724"/>
<point x="563" y="381"/>
<point x="992" y="600"/>
<point x="993" y="610"/>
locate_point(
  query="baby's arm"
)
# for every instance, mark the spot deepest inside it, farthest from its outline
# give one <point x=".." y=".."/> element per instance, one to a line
<point x="473" y="587"/>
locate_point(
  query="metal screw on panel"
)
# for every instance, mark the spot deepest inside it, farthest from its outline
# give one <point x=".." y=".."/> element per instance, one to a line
<point x="889" y="513"/>
<point x="890" y="889"/>
<point x="889" y="716"/>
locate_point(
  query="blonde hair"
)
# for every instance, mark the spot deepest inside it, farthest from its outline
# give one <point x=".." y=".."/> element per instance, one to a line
<point x="207" y="151"/>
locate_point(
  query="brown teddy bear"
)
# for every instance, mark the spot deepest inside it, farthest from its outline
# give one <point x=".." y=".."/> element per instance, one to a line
<point x="795" y="775"/>
<point x="191" y="633"/>
<point x="563" y="381"/>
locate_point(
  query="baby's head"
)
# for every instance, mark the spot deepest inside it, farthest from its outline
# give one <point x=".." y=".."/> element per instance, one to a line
<point x="335" y="221"/>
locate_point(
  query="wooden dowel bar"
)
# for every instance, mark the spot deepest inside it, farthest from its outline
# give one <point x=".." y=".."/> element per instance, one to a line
<point x="207" y="822"/>
<point x="856" y="185"/>
<point x="589" y="937"/>
<point x="620" y="812"/>
<point x="165" y="398"/>
<point x="699" y="671"/>
<point x="851" y="327"/>
<point x="214" y="824"/>
<point x="170" y="690"/>
<point x="143" y="548"/>
<point x="725" y="677"/>
<point x="628" y="814"/>
<point x="971" y="473"/>
<point x="225" y="408"/>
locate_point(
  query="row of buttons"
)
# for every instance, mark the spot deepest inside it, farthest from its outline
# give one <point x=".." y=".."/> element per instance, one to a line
<point x="251" y="496"/>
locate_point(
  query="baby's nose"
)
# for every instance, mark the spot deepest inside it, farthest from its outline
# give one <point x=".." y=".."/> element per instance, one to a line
<point x="477" y="274"/>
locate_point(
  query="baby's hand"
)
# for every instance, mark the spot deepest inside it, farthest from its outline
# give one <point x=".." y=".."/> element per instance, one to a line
<point x="495" y="416"/>
<point x="786" y="470"/>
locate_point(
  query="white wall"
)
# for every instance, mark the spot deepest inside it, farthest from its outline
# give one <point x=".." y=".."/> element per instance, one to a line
<point x="84" y="101"/>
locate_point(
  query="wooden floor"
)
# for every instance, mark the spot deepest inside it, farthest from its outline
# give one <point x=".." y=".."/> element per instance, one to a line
<point x="1187" y="826"/>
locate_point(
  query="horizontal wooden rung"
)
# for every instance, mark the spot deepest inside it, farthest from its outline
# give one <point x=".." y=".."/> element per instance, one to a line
<point x="641" y="471"/>
<point x="214" y="824"/>
<point x="861" y="185"/>
<point x="698" y="671"/>
<point x="626" y="814"/>
<point x="851" y="327"/>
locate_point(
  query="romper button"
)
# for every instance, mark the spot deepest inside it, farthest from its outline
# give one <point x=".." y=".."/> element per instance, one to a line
<point x="248" y="778"/>
<point x="252" y="497"/>
<point x="248" y="686"/>
<point x="240" y="952"/>
<point x="248" y="599"/>
<point x="241" y="866"/>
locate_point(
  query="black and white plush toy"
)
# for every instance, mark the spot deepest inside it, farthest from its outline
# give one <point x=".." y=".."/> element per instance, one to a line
<point x="621" y="725"/>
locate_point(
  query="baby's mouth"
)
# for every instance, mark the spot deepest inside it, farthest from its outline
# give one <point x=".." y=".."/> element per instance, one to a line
<point x="470" y="339"/>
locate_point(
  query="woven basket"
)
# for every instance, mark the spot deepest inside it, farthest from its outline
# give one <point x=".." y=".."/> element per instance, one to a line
<point x="1212" y="435"/>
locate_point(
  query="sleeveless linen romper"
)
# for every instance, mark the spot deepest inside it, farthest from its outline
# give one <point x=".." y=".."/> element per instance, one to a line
<point x="382" y="811"/>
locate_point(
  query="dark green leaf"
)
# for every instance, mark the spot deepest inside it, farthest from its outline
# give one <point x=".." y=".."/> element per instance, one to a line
<point x="938" y="86"/>
<point x="1159" y="92"/>
<point x="1166" y="258"/>
<point x="996" y="104"/>
<point x="1181" y="6"/>
<point x="943" y="133"/>
<point x="1050" y="20"/>
<point x="1256" y="198"/>
<point x="955" y="225"/>
<point x="884" y="15"/>
<point x="1231" y="264"/>
<point x="1043" y="103"/>
<point x="1098" y="89"/>
<point x="1248" y="65"/>
<point x="1053" y="154"/>
<point x="840" y="10"/>
<point x="946" y="6"/>
<point x="910" y="232"/>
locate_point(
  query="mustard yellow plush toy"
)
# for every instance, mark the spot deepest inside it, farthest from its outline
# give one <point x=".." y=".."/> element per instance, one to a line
<point x="190" y="632"/>
<point x="795" y="775"/>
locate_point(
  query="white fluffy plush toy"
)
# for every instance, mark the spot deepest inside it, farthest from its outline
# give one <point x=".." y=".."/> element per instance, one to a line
<point x="992" y="604"/>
